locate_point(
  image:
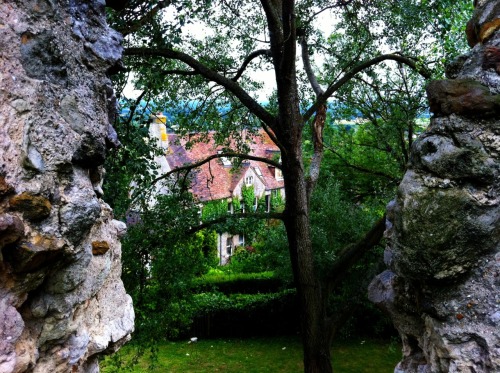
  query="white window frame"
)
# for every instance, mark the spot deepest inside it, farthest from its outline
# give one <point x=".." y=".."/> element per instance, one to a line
<point x="225" y="161"/>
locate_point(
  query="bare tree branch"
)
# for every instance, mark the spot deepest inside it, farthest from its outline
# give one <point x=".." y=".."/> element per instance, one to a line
<point x="308" y="68"/>
<point x="211" y="75"/>
<point x="336" y="5"/>
<point x="180" y="72"/>
<point x="359" y="168"/>
<point x="133" y="108"/>
<point x="273" y="137"/>
<point x="192" y="166"/>
<point x="289" y="46"/>
<point x="317" y="132"/>
<point x="145" y="19"/>
<point x="311" y="18"/>
<point x="319" y="121"/>
<point x="333" y="87"/>
<point x="250" y="57"/>
<point x="352" y="253"/>
<point x="223" y="219"/>
<point x="273" y="18"/>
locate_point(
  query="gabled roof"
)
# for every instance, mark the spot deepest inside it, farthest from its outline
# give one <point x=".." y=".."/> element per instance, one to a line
<point x="213" y="180"/>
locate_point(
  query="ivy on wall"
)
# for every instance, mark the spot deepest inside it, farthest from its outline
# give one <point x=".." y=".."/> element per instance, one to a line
<point x="277" y="202"/>
<point x="248" y="196"/>
<point x="248" y="226"/>
<point x="236" y="204"/>
<point x="213" y="209"/>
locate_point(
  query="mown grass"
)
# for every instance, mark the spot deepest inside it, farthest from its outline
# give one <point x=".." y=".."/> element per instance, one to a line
<point x="280" y="355"/>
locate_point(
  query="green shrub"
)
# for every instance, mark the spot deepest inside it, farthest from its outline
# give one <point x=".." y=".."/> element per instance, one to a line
<point x="246" y="259"/>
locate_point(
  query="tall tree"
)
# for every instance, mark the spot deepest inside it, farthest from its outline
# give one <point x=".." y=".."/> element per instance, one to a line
<point x="172" y="61"/>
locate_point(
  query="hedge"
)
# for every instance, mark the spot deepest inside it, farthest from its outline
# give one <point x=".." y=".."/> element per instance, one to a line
<point x="243" y="315"/>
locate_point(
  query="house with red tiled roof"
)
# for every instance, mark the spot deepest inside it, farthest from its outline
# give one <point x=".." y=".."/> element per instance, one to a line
<point x="218" y="180"/>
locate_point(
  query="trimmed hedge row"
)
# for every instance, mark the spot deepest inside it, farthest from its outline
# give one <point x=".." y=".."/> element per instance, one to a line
<point x="245" y="315"/>
<point x="238" y="284"/>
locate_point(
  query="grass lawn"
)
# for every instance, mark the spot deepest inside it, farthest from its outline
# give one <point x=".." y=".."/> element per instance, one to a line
<point x="281" y="355"/>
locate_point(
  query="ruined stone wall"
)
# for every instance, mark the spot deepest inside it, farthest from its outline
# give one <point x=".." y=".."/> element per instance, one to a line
<point x="443" y="286"/>
<point x="62" y="302"/>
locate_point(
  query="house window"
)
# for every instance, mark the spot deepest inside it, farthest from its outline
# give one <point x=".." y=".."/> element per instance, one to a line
<point x="249" y="180"/>
<point x="225" y="161"/>
<point x="230" y="207"/>
<point x="268" y="202"/>
<point x="278" y="174"/>
<point x="255" y="204"/>
<point x="241" y="240"/>
<point x="229" y="246"/>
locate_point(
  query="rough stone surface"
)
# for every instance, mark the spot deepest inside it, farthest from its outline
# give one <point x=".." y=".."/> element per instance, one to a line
<point x="484" y="22"/>
<point x="60" y="305"/>
<point x="462" y="96"/>
<point x="4" y="187"/>
<point x="11" y="229"/>
<point x="442" y="288"/>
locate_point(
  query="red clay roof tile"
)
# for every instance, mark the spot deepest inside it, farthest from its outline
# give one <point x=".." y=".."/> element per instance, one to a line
<point x="213" y="180"/>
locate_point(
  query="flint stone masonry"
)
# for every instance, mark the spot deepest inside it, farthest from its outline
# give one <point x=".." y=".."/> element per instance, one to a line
<point x="442" y="288"/>
<point x="62" y="302"/>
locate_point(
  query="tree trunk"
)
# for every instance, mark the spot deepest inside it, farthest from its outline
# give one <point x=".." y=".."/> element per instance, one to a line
<point x="289" y="130"/>
<point x="314" y="332"/>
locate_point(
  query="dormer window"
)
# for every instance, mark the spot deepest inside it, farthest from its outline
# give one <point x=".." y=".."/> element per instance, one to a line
<point x="225" y="161"/>
<point x="249" y="180"/>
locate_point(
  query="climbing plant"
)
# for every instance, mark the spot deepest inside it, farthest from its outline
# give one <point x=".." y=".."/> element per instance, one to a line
<point x="248" y="196"/>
